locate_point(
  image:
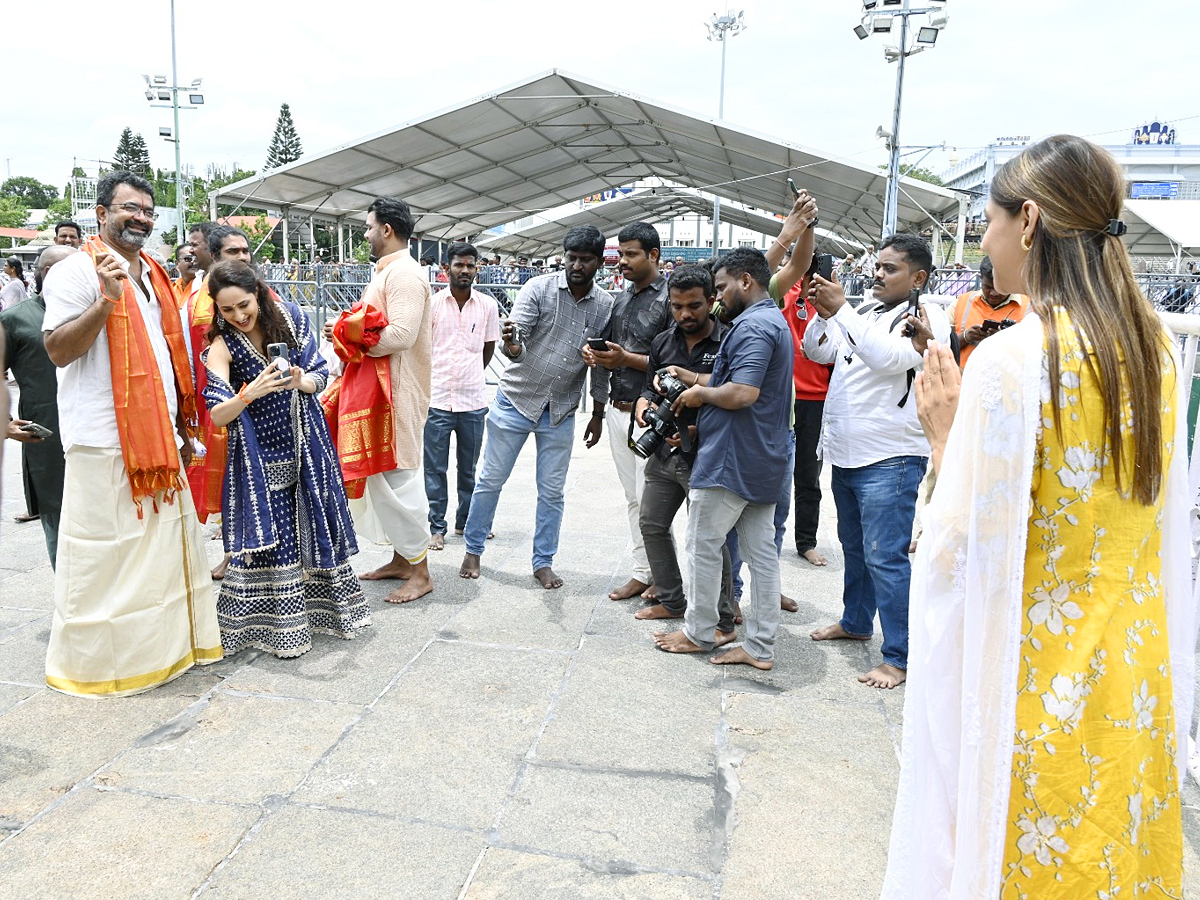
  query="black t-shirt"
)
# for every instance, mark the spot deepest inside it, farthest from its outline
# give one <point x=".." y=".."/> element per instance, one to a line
<point x="670" y="348"/>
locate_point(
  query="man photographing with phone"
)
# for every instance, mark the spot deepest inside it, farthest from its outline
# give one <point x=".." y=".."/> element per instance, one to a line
<point x="871" y="436"/>
<point x="980" y="314"/>
<point x="741" y="461"/>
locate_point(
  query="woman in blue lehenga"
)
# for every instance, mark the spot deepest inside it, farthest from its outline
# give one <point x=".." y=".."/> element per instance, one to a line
<point x="284" y="505"/>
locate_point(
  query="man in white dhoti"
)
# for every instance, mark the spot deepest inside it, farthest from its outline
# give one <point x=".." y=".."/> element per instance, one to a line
<point x="396" y="508"/>
<point x="133" y="603"/>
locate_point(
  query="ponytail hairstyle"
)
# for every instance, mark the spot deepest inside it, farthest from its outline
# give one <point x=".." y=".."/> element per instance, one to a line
<point x="1078" y="263"/>
<point x="271" y="316"/>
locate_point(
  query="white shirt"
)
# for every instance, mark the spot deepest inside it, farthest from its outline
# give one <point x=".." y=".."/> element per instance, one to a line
<point x="457" y="382"/>
<point x="86" y="413"/>
<point x="863" y="422"/>
<point x="866" y="265"/>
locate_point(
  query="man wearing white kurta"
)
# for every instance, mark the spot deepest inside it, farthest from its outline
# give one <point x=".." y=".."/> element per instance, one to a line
<point x="133" y="603"/>
<point x="396" y="504"/>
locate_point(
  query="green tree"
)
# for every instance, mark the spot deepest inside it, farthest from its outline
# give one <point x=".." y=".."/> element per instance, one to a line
<point x="29" y="191"/>
<point x="285" y="143"/>
<point x="217" y="178"/>
<point x="131" y="154"/>
<point x="258" y="233"/>
<point x="13" y="213"/>
<point x="908" y="170"/>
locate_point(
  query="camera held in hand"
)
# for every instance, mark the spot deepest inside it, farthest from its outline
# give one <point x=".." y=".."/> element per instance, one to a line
<point x="661" y="422"/>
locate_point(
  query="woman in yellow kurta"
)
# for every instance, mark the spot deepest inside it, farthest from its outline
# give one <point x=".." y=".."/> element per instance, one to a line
<point x="1053" y="629"/>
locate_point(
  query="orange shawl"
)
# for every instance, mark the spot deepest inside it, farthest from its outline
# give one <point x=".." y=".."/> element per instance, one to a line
<point x="358" y="406"/>
<point x="139" y="396"/>
<point x="206" y="474"/>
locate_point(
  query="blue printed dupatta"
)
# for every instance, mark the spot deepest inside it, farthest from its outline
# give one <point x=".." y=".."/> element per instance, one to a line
<point x="324" y="527"/>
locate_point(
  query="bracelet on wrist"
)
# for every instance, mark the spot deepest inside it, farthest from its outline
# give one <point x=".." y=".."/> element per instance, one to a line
<point x="241" y="394"/>
<point x="109" y="299"/>
<point x="782" y="245"/>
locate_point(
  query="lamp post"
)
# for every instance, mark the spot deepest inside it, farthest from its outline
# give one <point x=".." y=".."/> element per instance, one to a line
<point x="719" y="29"/>
<point x="879" y="17"/>
<point x="157" y="89"/>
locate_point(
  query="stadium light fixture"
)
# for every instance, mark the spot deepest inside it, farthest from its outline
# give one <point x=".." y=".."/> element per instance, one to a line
<point x="861" y="32"/>
<point x="927" y="35"/>
<point x="881" y="24"/>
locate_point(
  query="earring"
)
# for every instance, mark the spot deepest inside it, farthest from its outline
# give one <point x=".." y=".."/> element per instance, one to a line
<point x="1026" y="244"/>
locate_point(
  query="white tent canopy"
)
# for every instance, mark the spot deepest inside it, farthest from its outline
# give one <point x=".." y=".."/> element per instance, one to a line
<point x="1162" y="227"/>
<point x="542" y="235"/>
<point x="553" y="139"/>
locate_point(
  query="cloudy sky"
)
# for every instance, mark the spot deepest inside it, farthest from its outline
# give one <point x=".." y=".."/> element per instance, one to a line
<point x="1002" y="67"/>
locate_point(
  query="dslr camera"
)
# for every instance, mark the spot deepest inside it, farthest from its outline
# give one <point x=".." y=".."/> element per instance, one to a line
<point x="661" y="421"/>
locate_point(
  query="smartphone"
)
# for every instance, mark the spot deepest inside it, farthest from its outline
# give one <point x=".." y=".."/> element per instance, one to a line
<point x="825" y="266"/>
<point x="991" y="325"/>
<point x="36" y="430"/>
<point x="278" y="355"/>
<point x="598" y="344"/>
<point x="792" y="187"/>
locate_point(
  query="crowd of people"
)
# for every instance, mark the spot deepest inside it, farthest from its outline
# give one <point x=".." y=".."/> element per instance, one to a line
<point x="1044" y="627"/>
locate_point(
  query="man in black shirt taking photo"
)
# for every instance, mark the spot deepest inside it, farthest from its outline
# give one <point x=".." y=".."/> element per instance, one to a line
<point x="690" y="345"/>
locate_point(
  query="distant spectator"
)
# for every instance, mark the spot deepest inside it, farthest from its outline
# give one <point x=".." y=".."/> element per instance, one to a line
<point x="68" y="234"/>
<point x="14" y="291"/>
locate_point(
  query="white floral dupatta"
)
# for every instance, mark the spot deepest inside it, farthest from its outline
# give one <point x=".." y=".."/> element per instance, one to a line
<point x="965" y="627"/>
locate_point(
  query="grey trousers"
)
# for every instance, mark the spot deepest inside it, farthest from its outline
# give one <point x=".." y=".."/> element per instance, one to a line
<point x="666" y="489"/>
<point x="712" y="512"/>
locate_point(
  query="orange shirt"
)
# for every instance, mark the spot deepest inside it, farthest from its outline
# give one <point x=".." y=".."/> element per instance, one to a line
<point x="972" y="309"/>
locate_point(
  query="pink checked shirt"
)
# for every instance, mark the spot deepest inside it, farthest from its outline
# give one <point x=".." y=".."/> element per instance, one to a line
<point x="458" y="339"/>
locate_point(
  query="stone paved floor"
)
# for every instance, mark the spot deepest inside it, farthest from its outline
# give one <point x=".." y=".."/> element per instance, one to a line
<point x="493" y="741"/>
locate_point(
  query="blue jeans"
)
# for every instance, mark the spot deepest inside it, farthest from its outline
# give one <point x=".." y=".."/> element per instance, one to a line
<point x="507" y="430"/>
<point x="875" y="509"/>
<point x="467" y="428"/>
<point x="782" y="507"/>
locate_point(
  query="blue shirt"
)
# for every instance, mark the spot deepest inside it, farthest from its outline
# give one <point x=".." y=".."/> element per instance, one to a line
<point x="746" y="450"/>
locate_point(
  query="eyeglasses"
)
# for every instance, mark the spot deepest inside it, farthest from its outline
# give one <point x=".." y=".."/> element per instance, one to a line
<point x="135" y="209"/>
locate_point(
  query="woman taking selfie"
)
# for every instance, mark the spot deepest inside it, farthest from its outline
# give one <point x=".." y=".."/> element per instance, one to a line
<point x="284" y="507"/>
<point x="1051" y="658"/>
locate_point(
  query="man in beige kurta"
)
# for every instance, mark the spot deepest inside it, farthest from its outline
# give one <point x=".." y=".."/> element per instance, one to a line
<point x="395" y="501"/>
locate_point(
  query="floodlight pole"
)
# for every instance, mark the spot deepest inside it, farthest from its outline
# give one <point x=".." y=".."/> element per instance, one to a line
<point x="871" y="12"/>
<point x="718" y="29"/>
<point x="893" y="181"/>
<point x="180" y="229"/>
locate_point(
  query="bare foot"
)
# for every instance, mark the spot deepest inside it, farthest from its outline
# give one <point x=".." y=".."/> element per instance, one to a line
<point x="418" y="585"/>
<point x="399" y="567"/>
<point x="470" y="566"/>
<point x="721" y="638"/>
<point x="546" y="577"/>
<point x="437" y="542"/>
<point x="490" y="535"/>
<point x="650" y="593"/>
<point x="787" y="604"/>
<point x="737" y="612"/>
<point x="675" y="642"/>
<point x="813" y="557"/>
<point x="835" y="632"/>
<point x="657" y="611"/>
<point x="739" y="656"/>
<point x="912" y="547"/>
<point x="631" y="588"/>
<point x="884" y="676"/>
<point x="222" y="567"/>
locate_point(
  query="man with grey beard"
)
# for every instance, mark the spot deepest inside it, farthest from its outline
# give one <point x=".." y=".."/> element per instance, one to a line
<point x="133" y="603"/>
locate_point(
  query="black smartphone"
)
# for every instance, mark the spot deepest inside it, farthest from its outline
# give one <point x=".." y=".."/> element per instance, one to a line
<point x="598" y="344"/>
<point x="825" y="266"/>
<point x="991" y="325"/>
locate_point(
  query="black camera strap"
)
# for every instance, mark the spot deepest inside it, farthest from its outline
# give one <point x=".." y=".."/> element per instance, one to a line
<point x="911" y="308"/>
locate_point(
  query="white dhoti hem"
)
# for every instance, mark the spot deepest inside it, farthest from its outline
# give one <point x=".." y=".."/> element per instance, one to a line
<point x="394" y="510"/>
<point x="133" y="599"/>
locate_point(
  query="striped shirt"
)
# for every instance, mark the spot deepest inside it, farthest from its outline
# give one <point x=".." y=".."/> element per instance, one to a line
<point x="458" y="339"/>
<point x="554" y="326"/>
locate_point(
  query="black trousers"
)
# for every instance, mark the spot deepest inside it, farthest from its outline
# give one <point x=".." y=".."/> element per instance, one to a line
<point x="807" y="477"/>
